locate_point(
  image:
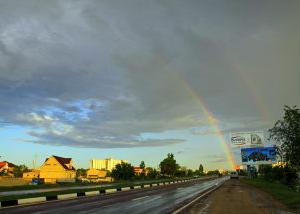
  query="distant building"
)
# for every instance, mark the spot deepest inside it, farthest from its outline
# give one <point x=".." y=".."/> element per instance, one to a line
<point x="106" y="164"/>
<point x="138" y="170"/>
<point x="96" y="174"/>
<point x="7" y="168"/>
<point x="31" y="174"/>
<point x="58" y="169"/>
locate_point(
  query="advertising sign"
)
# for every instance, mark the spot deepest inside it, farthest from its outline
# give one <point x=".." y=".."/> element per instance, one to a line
<point x="258" y="155"/>
<point x="240" y="139"/>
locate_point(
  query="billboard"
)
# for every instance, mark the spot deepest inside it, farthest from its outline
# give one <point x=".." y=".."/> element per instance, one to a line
<point x="258" y="155"/>
<point x="240" y="139"/>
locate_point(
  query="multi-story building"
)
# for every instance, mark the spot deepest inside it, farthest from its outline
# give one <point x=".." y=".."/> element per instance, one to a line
<point x="106" y="164"/>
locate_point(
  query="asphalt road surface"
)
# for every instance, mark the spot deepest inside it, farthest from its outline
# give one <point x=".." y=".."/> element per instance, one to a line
<point x="162" y="199"/>
<point x="31" y="191"/>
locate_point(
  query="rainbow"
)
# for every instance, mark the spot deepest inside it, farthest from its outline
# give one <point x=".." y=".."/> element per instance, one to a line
<point x="260" y="104"/>
<point x="211" y="120"/>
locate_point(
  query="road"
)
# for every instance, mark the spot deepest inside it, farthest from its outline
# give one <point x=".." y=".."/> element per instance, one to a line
<point x="235" y="197"/>
<point x="162" y="199"/>
<point x="53" y="189"/>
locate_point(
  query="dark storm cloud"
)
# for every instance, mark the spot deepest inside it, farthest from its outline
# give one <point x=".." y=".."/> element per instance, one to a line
<point x="100" y="74"/>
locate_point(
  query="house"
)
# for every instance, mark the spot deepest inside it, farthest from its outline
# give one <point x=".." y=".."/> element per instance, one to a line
<point x="58" y="169"/>
<point x="138" y="170"/>
<point x="7" y="168"/>
<point x="31" y="174"/>
<point x="96" y="173"/>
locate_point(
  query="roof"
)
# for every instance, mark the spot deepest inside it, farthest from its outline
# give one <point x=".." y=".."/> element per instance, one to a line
<point x="3" y="163"/>
<point x="64" y="162"/>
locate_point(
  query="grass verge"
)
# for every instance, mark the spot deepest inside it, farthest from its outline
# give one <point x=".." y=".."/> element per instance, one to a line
<point x="281" y="192"/>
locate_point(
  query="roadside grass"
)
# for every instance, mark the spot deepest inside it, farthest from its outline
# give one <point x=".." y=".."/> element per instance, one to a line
<point x="53" y="193"/>
<point x="44" y="186"/>
<point x="283" y="193"/>
<point x="58" y="185"/>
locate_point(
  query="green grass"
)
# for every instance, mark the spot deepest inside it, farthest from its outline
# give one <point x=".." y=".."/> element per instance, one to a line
<point x="43" y="186"/>
<point x="283" y="193"/>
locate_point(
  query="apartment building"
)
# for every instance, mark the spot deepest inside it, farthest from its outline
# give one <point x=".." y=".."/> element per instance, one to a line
<point x="106" y="164"/>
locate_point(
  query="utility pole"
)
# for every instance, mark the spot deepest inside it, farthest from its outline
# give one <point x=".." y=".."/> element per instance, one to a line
<point x="34" y="161"/>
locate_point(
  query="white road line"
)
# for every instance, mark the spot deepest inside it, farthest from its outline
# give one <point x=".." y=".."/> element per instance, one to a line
<point x="196" y="199"/>
<point x="140" y="198"/>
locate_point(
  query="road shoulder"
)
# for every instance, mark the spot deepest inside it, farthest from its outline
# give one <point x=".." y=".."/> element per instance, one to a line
<point x="237" y="197"/>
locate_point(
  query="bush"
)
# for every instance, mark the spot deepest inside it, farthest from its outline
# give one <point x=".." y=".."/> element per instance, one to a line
<point x="241" y="172"/>
<point x="266" y="172"/>
<point x="290" y="176"/>
<point x="286" y="175"/>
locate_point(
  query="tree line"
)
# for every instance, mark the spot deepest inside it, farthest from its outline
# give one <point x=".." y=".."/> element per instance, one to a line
<point x="286" y="136"/>
<point x="168" y="168"/>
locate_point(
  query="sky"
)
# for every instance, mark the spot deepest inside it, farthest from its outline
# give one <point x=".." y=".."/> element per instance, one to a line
<point x="137" y="79"/>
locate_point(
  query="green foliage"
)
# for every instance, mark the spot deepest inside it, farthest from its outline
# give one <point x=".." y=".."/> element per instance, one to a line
<point x="190" y="173"/>
<point x="213" y="172"/>
<point x="81" y="172"/>
<point x="152" y="173"/>
<point x="142" y="165"/>
<point x="19" y="170"/>
<point x="200" y="169"/>
<point x="3" y="173"/>
<point x="286" y="175"/>
<point x="184" y="172"/>
<point x="241" y="172"/>
<point x="265" y="171"/>
<point x="123" y="171"/>
<point x="169" y="166"/>
<point x="108" y="173"/>
<point x="286" y="135"/>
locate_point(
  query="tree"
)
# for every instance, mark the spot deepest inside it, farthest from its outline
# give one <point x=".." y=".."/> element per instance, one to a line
<point x="190" y="173"/>
<point x="286" y="135"/>
<point x="200" y="169"/>
<point x="123" y="171"/>
<point x="213" y="172"/>
<point x="152" y="173"/>
<point x="81" y="172"/>
<point x="142" y="165"/>
<point x="19" y="170"/>
<point x="169" y="166"/>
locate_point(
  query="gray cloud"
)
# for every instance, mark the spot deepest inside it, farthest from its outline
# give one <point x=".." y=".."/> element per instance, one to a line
<point x="100" y="74"/>
<point x="217" y="158"/>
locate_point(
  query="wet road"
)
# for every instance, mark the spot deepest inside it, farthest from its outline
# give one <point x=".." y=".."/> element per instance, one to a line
<point x="161" y="199"/>
<point x="31" y="191"/>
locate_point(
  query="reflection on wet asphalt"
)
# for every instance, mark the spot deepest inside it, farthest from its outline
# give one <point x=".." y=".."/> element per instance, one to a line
<point x="158" y="203"/>
<point x="149" y="200"/>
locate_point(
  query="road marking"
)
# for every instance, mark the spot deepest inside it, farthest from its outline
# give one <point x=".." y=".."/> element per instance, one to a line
<point x="140" y="198"/>
<point x="196" y="199"/>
